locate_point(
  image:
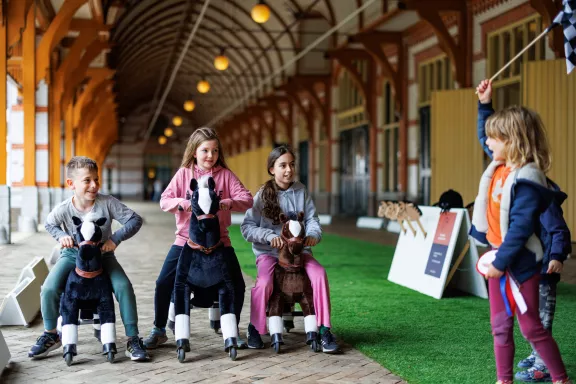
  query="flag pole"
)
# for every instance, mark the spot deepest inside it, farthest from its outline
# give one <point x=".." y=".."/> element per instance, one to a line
<point x="521" y="52"/>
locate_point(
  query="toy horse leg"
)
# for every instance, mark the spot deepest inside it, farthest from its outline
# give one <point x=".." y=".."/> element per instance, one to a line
<point x="69" y="329"/>
<point x="96" y="325"/>
<point x="214" y="316"/>
<point x="182" y="318"/>
<point x="310" y="324"/>
<point x="288" y="317"/>
<point x="107" y="324"/>
<point x="171" y="317"/>
<point x="228" y="320"/>
<point x="275" y="323"/>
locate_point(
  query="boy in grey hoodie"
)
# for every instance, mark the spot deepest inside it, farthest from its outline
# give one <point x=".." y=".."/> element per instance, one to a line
<point x="262" y="227"/>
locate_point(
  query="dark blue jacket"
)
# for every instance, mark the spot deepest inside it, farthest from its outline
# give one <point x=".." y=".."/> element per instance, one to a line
<point x="534" y="209"/>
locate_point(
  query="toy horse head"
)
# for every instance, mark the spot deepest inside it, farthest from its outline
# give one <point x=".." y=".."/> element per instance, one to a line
<point x="88" y="237"/>
<point x="205" y="204"/>
<point x="292" y="233"/>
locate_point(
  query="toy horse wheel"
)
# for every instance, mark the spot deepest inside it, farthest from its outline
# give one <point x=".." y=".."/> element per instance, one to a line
<point x="314" y="346"/>
<point x="277" y="347"/>
<point x="69" y="358"/>
<point x="110" y="357"/>
<point x="181" y="355"/>
<point x="233" y="353"/>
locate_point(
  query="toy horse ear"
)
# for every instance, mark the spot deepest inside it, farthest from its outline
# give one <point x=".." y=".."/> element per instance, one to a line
<point x="283" y="218"/>
<point x="100" y="222"/>
<point x="193" y="184"/>
<point x="76" y="220"/>
<point x="300" y="216"/>
<point x="211" y="183"/>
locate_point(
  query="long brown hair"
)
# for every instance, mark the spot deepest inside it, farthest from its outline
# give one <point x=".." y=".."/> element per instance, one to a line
<point x="524" y="134"/>
<point x="269" y="190"/>
<point x="199" y="136"/>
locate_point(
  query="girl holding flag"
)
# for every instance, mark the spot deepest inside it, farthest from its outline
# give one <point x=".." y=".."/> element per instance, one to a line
<point x="513" y="194"/>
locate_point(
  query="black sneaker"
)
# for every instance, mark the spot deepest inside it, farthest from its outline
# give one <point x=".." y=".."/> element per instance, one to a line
<point x="135" y="349"/>
<point x="328" y="341"/>
<point x="45" y="344"/>
<point x="254" y="339"/>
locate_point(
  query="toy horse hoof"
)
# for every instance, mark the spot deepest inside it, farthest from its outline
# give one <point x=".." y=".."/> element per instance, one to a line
<point x="277" y="347"/>
<point x="69" y="358"/>
<point x="110" y="357"/>
<point x="233" y="353"/>
<point x="181" y="355"/>
<point x="288" y="325"/>
<point x="172" y="326"/>
<point x="97" y="334"/>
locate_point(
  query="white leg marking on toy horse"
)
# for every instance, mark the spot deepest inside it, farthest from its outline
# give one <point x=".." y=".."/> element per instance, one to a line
<point x="204" y="200"/>
<point x="171" y="312"/>
<point x="96" y="323"/>
<point x="214" y="314"/>
<point x="59" y="324"/>
<point x="228" y="326"/>
<point x="88" y="228"/>
<point x="310" y="324"/>
<point x="69" y="334"/>
<point x="108" y="333"/>
<point x="182" y="330"/>
<point x="275" y="325"/>
<point x="294" y="227"/>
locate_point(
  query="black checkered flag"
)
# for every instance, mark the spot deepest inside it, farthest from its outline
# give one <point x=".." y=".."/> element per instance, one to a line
<point x="567" y="18"/>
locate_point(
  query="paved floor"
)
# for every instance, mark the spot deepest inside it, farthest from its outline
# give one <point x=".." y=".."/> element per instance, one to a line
<point x="142" y="258"/>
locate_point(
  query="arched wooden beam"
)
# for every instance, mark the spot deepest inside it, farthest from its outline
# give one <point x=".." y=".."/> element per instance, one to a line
<point x="53" y="35"/>
<point x="346" y="57"/>
<point x="93" y="50"/>
<point x="16" y="17"/>
<point x="459" y="53"/>
<point x="373" y="42"/>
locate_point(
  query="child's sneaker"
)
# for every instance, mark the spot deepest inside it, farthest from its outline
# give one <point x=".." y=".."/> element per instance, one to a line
<point x="328" y="341"/>
<point x="505" y="382"/>
<point x="565" y="381"/>
<point x="44" y="345"/>
<point x="254" y="338"/>
<point x="527" y="362"/>
<point x="537" y="374"/>
<point x="135" y="349"/>
<point x="157" y="337"/>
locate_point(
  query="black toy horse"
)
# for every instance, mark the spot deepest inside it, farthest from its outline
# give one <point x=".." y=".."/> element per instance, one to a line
<point x="88" y="287"/>
<point x="291" y="284"/>
<point x="203" y="269"/>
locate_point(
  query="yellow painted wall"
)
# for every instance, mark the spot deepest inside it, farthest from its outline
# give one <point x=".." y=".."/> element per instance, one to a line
<point x="549" y="91"/>
<point x="457" y="157"/>
<point x="250" y="167"/>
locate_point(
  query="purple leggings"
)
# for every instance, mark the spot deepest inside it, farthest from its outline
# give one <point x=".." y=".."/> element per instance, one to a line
<point x="531" y="327"/>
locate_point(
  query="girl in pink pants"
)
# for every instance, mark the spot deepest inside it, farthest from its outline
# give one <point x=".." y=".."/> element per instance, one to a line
<point x="262" y="228"/>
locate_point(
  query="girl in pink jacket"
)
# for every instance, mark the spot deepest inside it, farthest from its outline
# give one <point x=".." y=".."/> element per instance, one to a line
<point x="203" y="156"/>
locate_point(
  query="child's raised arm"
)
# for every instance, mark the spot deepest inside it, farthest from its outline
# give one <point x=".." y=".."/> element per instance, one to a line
<point x="485" y="110"/>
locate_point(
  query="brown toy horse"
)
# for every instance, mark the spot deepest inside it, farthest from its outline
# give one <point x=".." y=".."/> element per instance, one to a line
<point x="291" y="284"/>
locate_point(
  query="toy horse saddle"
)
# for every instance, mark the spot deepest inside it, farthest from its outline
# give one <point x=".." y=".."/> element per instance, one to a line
<point x="201" y="248"/>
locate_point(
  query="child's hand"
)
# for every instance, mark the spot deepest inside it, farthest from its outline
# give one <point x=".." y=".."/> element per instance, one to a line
<point x="555" y="267"/>
<point x="493" y="273"/>
<point x="109" y="246"/>
<point x="484" y="90"/>
<point x="277" y="242"/>
<point x="66" y="242"/>
<point x="310" y="241"/>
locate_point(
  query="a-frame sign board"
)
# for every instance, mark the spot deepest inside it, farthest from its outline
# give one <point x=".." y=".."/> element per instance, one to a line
<point x="427" y="263"/>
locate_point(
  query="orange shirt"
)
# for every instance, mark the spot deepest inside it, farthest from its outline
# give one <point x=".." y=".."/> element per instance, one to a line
<point x="494" y="235"/>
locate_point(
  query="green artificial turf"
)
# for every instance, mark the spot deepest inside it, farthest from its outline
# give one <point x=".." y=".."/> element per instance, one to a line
<point x="419" y="338"/>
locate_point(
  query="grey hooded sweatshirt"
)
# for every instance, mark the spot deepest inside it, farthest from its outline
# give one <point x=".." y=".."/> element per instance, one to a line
<point x="260" y="231"/>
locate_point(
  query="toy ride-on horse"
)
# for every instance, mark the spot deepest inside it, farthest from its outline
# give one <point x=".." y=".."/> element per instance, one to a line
<point x="291" y="284"/>
<point x="88" y="287"/>
<point x="204" y="269"/>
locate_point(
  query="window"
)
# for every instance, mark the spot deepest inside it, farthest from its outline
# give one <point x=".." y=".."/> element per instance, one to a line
<point x="434" y="75"/>
<point x="503" y="45"/>
<point x="351" y="112"/>
<point x="391" y="136"/>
